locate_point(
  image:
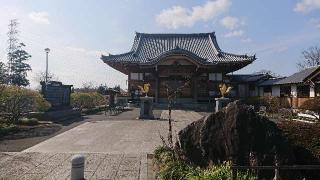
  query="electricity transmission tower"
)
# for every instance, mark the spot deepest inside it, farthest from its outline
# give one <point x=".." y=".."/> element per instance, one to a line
<point x="12" y="41"/>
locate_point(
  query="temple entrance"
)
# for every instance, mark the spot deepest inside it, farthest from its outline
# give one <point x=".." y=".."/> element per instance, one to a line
<point x="173" y="83"/>
<point x="176" y="74"/>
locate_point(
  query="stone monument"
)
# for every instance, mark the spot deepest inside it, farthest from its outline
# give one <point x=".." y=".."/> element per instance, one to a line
<point x="222" y="101"/>
<point x="146" y="103"/>
<point x="57" y="94"/>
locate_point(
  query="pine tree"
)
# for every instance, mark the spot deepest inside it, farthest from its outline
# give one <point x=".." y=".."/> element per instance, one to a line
<point x="19" y="67"/>
<point x="3" y="73"/>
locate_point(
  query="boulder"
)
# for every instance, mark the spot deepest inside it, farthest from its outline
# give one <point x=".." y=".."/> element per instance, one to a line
<point x="235" y="133"/>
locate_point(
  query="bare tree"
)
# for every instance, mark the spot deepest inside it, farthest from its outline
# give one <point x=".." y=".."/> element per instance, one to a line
<point x="311" y="58"/>
<point x="41" y="76"/>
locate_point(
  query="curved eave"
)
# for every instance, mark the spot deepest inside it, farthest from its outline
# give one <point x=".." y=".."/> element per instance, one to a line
<point x="117" y="65"/>
<point x="232" y="66"/>
<point x="119" y="62"/>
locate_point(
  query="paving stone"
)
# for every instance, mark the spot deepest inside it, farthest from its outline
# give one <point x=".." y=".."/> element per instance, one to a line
<point x="14" y="169"/>
<point x="127" y="175"/>
<point x="108" y="169"/>
<point x="92" y="161"/>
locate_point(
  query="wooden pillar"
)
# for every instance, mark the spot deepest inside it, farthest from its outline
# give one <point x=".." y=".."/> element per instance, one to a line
<point x="156" y="90"/>
<point x="195" y="88"/>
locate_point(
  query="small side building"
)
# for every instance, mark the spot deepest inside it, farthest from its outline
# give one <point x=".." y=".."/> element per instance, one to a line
<point x="294" y="89"/>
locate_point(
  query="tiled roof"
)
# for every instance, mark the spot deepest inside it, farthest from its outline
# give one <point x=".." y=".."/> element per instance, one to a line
<point x="295" y="78"/>
<point x="150" y="48"/>
<point x="247" y="77"/>
<point x="298" y="77"/>
<point x="270" y="82"/>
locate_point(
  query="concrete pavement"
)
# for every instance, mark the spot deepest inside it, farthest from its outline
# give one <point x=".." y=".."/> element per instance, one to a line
<point x="114" y="148"/>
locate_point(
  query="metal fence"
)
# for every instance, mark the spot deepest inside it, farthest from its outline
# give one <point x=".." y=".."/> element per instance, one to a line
<point x="276" y="169"/>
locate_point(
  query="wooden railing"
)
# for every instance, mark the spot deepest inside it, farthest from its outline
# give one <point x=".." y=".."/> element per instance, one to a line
<point x="276" y="169"/>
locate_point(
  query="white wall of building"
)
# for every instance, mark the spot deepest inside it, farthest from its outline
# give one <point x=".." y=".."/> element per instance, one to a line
<point x="294" y="92"/>
<point x="312" y="92"/>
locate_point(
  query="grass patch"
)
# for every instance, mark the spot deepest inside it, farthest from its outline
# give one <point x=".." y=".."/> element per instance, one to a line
<point x="175" y="169"/>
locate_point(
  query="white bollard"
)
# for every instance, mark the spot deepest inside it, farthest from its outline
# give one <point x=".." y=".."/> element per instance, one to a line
<point x="77" y="169"/>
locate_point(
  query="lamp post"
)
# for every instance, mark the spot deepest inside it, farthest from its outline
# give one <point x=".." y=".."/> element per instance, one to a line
<point x="47" y="50"/>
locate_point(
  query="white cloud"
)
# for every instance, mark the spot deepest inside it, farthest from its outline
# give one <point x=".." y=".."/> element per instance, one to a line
<point x="39" y="17"/>
<point x="246" y="40"/>
<point x="178" y="16"/>
<point x="236" y="33"/>
<point x="87" y="52"/>
<point x="315" y="22"/>
<point x="307" y="6"/>
<point x="231" y="23"/>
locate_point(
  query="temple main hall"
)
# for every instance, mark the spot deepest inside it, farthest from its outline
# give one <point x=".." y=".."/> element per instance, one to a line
<point x="192" y="62"/>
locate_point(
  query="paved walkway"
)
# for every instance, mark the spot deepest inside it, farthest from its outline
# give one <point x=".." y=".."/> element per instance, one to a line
<point x="51" y="166"/>
<point x="114" y="148"/>
<point x="116" y="136"/>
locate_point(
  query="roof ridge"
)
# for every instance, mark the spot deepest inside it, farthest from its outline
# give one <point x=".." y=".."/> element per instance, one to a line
<point x="214" y="44"/>
<point x="174" y="34"/>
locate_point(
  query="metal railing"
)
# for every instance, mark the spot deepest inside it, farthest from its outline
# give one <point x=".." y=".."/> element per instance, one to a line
<point x="276" y="168"/>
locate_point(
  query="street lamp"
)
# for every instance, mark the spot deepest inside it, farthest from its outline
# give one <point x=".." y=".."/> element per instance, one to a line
<point x="47" y="50"/>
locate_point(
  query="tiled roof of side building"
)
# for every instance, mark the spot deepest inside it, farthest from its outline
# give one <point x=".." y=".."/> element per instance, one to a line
<point x="149" y="48"/>
<point x="295" y="78"/>
<point x="298" y="77"/>
<point x="248" y="77"/>
<point x="270" y="82"/>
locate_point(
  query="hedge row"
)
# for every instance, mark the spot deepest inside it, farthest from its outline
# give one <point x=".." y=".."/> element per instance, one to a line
<point x="88" y="100"/>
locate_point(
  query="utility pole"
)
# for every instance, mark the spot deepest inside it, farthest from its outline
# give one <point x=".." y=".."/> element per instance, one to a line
<point x="12" y="41"/>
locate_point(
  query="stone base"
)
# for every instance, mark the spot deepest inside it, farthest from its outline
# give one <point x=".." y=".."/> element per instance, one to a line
<point x="221" y="103"/>
<point x="146" y="108"/>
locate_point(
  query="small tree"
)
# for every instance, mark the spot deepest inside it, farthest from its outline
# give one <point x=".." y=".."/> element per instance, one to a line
<point x="312" y="105"/>
<point x="102" y="89"/>
<point x="18" y="66"/>
<point x="311" y="58"/>
<point x="171" y="95"/>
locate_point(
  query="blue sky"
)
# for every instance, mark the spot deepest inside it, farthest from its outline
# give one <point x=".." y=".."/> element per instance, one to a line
<point x="79" y="31"/>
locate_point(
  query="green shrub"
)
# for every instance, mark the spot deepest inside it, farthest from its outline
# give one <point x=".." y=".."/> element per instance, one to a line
<point x="270" y="102"/>
<point x="6" y="128"/>
<point x="256" y="101"/>
<point x="28" y="122"/>
<point x="16" y="101"/>
<point x="87" y="100"/>
<point x="174" y="169"/>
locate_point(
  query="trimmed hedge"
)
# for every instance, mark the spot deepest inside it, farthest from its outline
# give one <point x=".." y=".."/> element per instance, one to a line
<point x="16" y="102"/>
<point x="88" y="100"/>
<point x="271" y="103"/>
